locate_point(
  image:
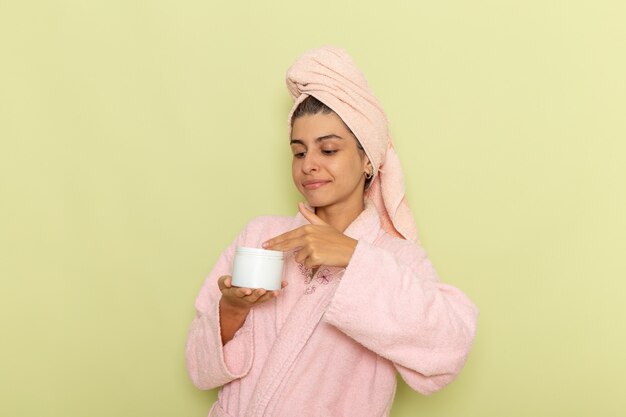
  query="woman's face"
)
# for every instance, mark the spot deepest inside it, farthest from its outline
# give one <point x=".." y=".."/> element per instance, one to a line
<point x="327" y="168"/>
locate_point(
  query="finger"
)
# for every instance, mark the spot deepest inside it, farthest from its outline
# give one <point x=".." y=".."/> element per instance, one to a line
<point x="301" y="256"/>
<point x="221" y="282"/>
<point x="269" y="244"/>
<point x="241" y="292"/>
<point x="272" y="294"/>
<point x="311" y="216"/>
<point x="292" y="244"/>
<point x="267" y="296"/>
<point x="311" y="263"/>
<point x="256" y="294"/>
<point x="276" y="293"/>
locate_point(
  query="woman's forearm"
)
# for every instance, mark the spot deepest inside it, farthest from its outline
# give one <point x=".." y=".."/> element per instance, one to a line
<point x="231" y="320"/>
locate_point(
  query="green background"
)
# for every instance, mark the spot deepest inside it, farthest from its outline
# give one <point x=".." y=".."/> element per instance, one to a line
<point x="137" y="139"/>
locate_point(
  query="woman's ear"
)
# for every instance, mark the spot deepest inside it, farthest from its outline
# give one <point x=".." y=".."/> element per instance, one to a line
<point x="369" y="171"/>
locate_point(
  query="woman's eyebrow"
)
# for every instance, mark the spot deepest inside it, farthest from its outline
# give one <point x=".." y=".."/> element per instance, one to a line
<point x="331" y="136"/>
<point x="321" y="138"/>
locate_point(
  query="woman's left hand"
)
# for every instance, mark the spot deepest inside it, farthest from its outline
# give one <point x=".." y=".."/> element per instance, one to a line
<point x="317" y="243"/>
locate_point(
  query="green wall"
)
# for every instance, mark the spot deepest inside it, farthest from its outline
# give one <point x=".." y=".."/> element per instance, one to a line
<point x="137" y="138"/>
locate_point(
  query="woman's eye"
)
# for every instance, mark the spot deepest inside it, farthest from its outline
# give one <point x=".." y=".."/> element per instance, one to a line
<point x="298" y="155"/>
<point x="329" y="151"/>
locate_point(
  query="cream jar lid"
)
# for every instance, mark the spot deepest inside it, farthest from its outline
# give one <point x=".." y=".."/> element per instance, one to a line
<point x="275" y="254"/>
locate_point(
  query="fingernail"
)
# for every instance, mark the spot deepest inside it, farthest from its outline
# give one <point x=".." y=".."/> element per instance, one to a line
<point x="265" y="244"/>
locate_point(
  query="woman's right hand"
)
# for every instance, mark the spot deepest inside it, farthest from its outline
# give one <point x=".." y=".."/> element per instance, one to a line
<point x="243" y="299"/>
<point x="236" y="302"/>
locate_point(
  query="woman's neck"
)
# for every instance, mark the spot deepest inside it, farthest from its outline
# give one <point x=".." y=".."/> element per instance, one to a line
<point x="340" y="215"/>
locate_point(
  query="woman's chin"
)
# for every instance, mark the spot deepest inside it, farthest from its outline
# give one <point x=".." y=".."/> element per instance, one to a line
<point x="315" y="202"/>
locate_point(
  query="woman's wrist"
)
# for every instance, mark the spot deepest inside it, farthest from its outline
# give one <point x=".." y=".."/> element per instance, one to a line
<point x="233" y="310"/>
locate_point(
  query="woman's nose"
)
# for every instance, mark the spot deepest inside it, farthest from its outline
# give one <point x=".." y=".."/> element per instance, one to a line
<point x="310" y="163"/>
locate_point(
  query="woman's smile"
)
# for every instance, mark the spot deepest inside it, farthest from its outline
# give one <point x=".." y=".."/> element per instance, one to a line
<point x="314" y="184"/>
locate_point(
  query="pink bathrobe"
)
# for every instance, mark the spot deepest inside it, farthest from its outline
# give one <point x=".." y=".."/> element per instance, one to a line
<point x="331" y="344"/>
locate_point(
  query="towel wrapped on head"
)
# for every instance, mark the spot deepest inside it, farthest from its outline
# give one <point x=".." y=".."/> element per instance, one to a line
<point x="330" y="75"/>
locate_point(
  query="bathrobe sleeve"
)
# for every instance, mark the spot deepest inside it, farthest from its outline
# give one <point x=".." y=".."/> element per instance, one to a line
<point x="392" y="302"/>
<point x="210" y="364"/>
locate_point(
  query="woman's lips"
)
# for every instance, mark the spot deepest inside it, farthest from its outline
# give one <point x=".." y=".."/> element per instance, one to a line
<point x="313" y="185"/>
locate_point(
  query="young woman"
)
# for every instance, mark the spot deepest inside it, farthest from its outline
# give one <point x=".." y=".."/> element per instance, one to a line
<point x="360" y="300"/>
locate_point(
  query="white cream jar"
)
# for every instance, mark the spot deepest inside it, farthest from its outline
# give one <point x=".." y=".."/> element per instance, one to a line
<point x="257" y="268"/>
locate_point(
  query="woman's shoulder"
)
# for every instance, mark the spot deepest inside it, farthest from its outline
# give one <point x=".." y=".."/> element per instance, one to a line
<point x="399" y="246"/>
